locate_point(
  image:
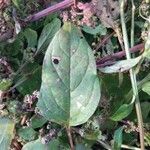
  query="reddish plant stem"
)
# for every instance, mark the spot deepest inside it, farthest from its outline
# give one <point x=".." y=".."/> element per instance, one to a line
<point x="60" y="6"/>
<point x="110" y="58"/>
<point x="75" y="3"/>
<point x="106" y="38"/>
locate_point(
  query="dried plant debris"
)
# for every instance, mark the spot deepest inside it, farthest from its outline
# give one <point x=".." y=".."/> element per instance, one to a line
<point x="4" y="4"/>
<point x="107" y="11"/>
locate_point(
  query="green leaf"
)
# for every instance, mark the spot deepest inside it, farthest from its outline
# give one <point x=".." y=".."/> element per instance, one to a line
<point x="122" y="112"/>
<point x="6" y="133"/>
<point x="80" y="147"/>
<point x="145" y="110"/>
<point x="92" y="135"/>
<point x="121" y="66"/>
<point x="31" y="73"/>
<point x="31" y="37"/>
<point x="16" y="3"/>
<point x="37" y="121"/>
<point x="146" y="87"/>
<point x="117" y="139"/>
<point x="70" y="89"/>
<point x="27" y="134"/>
<point x="48" y="33"/>
<point x="100" y="29"/>
<point x="5" y="84"/>
<point x="37" y="145"/>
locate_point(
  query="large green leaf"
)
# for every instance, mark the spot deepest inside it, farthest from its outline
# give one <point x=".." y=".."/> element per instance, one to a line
<point x="6" y="133"/>
<point x="70" y="89"/>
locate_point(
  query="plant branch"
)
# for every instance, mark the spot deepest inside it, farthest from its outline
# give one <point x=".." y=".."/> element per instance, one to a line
<point x="132" y="23"/>
<point x="68" y="129"/>
<point x="105" y="39"/>
<point x="60" y="6"/>
<point x="132" y="76"/>
<point x="119" y="54"/>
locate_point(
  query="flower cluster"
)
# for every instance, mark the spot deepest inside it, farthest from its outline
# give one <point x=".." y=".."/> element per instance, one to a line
<point x="82" y="15"/>
<point x="5" y="69"/>
<point x="29" y="100"/>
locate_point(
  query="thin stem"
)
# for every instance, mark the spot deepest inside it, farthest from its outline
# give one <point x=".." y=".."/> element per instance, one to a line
<point x="132" y="23"/>
<point x="68" y="129"/>
<point x="129" y="147"/>
<point x="132" y="76"/>
<point x="105" y="145"/>
<point x="62" y="5"/>
<point x="75" y="3"/>
<point x="105" y="39"/>
<point x="120" y="54"/>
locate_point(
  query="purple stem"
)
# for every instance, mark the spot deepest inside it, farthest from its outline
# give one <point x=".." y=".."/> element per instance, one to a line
<point x="102" y="62"/>
<point x="60" y="6"/>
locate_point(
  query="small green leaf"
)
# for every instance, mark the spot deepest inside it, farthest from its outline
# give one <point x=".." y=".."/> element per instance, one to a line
<point x="16" y="3"/>
<point x="37" y="121"/>
<point x="122" y="112"/>
<point x="5" y="84"/>
<point x="48" y="33"/>
<point x="37" y="145"/>
<point x="117" y="139"/>
<point x="80" y="147"/>
<point x="70" y="89"/>
<point x="145" y="107"/>
<point x="146" y="87"/>
<point x="92" y="135"/>
<point x="100" y="29"/>
<point x="27" y="134"/>
<point x="6" y="133"/>
<point x="121" y="66"/>
<point x="13" y="106"/>
<point x="31" y="37"/>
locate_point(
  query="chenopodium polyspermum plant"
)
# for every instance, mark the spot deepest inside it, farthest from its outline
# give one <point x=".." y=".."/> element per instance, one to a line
<point x="70" y="89"/>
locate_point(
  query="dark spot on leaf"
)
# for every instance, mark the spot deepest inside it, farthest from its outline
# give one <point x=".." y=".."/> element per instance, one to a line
<point x="108" y="16"/>
<point x="81" y="37"/>
<point x="112" y="9"/>
<point x="56" y="61"/>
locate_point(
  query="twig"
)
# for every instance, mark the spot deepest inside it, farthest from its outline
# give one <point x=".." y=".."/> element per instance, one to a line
<point x="68" y="129"/>
<point x="75" y="3"/>
<point x="119" y="54"/>
<point x="105" y="145"/>
<point x="60" y="6"/>
<point x="101" y="43"/>
<point x="132" y="76"/>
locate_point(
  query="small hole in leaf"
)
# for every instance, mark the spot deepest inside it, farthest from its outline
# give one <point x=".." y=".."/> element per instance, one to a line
<point x="112" y="9"/>
<point x="56" y="61"/>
